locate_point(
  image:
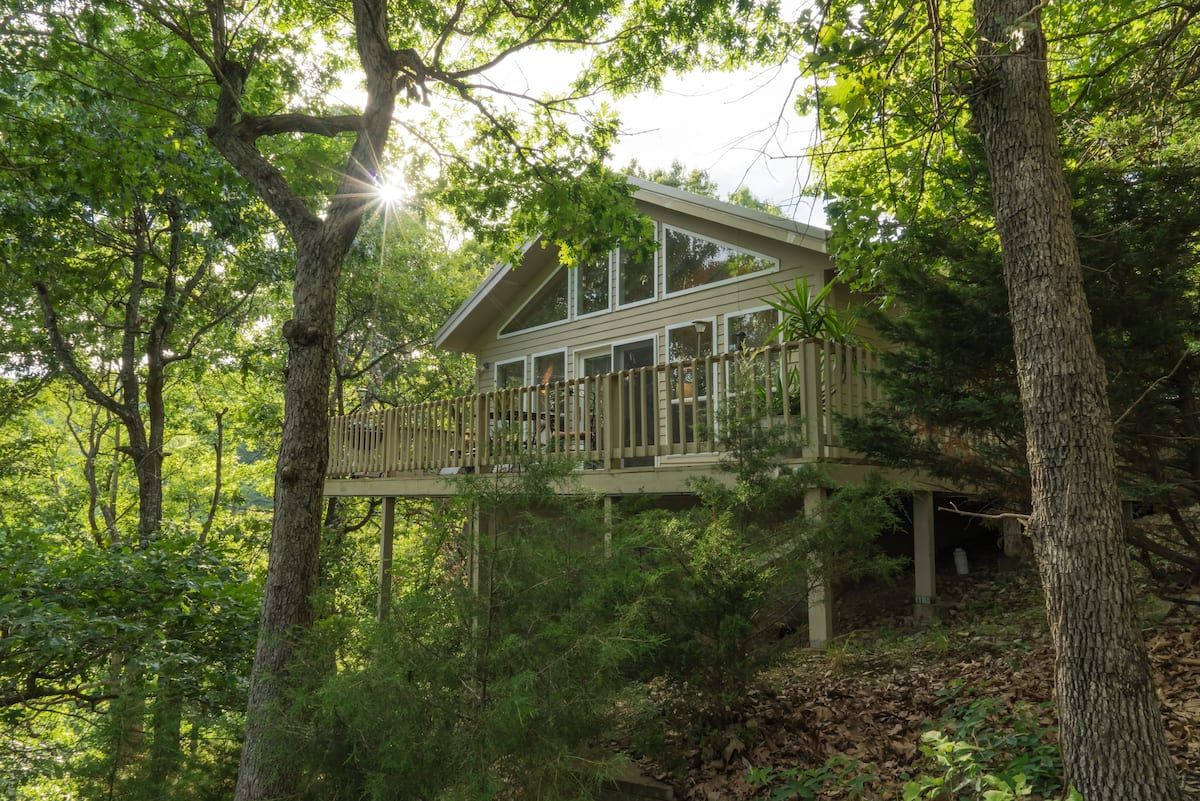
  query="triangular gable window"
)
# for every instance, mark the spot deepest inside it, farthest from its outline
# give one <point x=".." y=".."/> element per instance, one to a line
<point x="547" y="306"/>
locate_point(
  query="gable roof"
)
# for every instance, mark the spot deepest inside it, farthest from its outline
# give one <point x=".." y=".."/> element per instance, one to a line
<point x="504" y="284"/>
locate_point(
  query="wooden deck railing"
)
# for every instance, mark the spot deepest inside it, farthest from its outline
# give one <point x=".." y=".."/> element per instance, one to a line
<point x="616" y="419"/>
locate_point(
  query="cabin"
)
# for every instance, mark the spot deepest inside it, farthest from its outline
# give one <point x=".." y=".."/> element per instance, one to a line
<point x="625" y="365"/>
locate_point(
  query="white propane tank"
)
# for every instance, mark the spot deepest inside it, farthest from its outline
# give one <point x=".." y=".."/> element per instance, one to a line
<point x="960" y="562"/>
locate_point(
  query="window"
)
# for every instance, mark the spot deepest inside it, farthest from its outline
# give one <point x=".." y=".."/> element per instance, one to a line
<point x="550" y="367"/>
<point x="591" y="288"/>
<point x="635" y="278"/>
<point x="693" y="261"/>
<point x="548" y="305"/>
<point x="687" y="342"/>
<point x="749" y="330"/>
<point x="510" y="374"/>
<point x="688" y="383"/>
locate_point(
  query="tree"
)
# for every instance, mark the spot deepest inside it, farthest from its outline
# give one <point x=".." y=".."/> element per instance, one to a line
<point x="528" y="164"/>
<point x="953" y="406"/>
<point x="883" y="116"/>
<point x="1112" y="735"/>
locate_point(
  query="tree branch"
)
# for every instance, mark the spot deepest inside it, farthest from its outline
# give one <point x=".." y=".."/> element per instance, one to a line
<point x="276" y="124"/>
<point x="66" y="357"/>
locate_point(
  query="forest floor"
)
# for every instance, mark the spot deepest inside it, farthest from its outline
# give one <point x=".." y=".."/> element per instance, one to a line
<point x="847" y="723"/>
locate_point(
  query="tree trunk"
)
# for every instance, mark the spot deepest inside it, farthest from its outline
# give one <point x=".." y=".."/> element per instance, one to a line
<point x="148" y="467"/>
<point x="166" y="752"/>
<point x="287" y="611"/>
<point x="1111" y="727"/>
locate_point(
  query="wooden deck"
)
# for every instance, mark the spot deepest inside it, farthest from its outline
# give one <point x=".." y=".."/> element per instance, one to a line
<point x="644" y="430"/>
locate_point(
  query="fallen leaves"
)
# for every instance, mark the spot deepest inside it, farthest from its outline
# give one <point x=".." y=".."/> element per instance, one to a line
<point x="872" y="700"/>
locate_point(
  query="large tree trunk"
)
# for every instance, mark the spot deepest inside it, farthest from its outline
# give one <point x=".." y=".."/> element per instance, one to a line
<point x="287" y="611"/>
<point x="1111" y="727"/>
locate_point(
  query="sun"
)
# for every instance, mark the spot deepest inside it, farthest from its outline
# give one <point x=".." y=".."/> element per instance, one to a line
<point x="391" y="190"/>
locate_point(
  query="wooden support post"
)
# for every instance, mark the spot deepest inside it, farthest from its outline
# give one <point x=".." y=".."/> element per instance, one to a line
<point x="608" y="520"/>
<point x="387" y="530"/>
<point x="923" y="556"/>
<point x="1011" y="539"/>
<point x="820" y="591"/>
<point x="476" y="525"/>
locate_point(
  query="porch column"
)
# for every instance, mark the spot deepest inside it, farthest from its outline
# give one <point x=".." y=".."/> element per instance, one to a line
<point x="820" y="592"/>
<point x="386" y="532"/>
<point x="923" y="556"/>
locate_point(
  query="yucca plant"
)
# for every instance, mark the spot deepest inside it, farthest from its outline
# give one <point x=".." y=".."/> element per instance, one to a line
<point x="805" y="315"/>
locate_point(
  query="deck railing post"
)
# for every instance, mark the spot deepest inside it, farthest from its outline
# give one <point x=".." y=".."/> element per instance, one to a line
<point x="814" y="445"/>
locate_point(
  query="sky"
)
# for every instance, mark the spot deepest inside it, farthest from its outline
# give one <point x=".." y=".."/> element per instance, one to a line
<point x="741" y="127"/>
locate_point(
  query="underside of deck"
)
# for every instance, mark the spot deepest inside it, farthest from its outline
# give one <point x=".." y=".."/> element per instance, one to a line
<point x="664" y="479"/>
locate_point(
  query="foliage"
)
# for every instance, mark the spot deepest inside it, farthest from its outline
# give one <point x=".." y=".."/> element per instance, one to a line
<point x="984" y="751"/>
<point x="810" y="784"/>
<point x="75" y="620"/>
<point x="737" y="570"/>
<point x="699" y="182"/>
<point x="952" y="404"/>
<point x="805" y="315"/>
<point x="911" y="213"/>
<point x="978" y="751"/>
<point x="501" y="659"/>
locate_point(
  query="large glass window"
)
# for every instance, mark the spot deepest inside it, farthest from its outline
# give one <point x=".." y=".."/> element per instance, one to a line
<point x="510" y="374"/>
<point x="749" y="330"/>
<point x="591" y="287"/>
<point x="693" y="261"/>
<point x="549" y="305"/>
<point x="635" y="278"/>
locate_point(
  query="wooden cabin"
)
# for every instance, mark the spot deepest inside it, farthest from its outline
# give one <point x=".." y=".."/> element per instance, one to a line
<point x="625" y="365"/>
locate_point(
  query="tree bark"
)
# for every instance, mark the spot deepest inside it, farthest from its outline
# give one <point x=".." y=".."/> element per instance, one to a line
<point x="321" y="243"/>
<point x="1111" y="726"/>
<point x="287" y="611"/>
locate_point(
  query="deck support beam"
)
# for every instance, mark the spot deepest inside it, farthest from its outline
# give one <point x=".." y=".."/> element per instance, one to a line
<point x="387" y="530"/>
<point x="820" y="589"/>
<point x="924" y="555"/>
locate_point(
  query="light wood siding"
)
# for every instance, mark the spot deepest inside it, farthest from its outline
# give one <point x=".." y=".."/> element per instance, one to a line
<point x="649" y="320"/>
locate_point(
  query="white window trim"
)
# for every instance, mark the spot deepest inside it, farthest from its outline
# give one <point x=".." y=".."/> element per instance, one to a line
<point x="533" y="362"/>
<point x="574" y="292"/>
<point x="741" y="312"/>
<point x="496" y="372"/>
<point x="667" y="293"/>
<point x="654" y="279"/>
<point x="532" y="295"/>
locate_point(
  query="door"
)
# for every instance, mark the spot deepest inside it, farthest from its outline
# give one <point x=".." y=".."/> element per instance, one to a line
<point x="639" y="395"/>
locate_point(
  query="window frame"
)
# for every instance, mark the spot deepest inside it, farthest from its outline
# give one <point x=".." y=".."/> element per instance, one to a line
<point x="553" y="274"/>
<point x="654" y="270"/>
<point x="496" y="372"/>
<point x="667" y="329"/>
<point x="725" y="318"/>
<point x="668" y="293"/>
<point x="573" y="291"/>
<point x="533" y="357"/>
